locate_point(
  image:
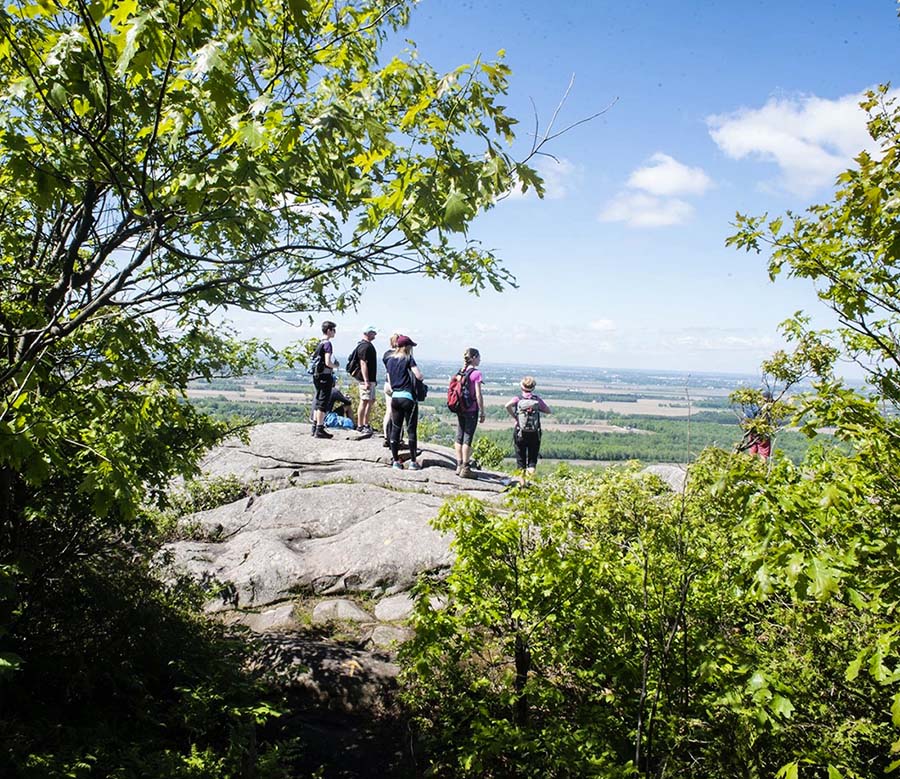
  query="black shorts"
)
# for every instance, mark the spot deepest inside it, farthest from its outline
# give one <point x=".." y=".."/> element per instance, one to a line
<point x="465" y="429"/>
<point x="323" y="384"/>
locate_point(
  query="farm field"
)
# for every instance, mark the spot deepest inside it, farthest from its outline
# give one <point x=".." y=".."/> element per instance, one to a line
<point x="598" y="416"/>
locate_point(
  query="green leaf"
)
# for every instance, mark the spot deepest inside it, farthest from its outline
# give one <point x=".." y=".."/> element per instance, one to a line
<point x="789" y="771"/>
<point x="824" y="579"/>
<point x="300" y="11"/>
<point x="456" y="210"/>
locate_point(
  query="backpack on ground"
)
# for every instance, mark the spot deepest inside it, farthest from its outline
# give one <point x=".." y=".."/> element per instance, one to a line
<point x="459" y="392"/>
<point x="528" y="415"/>
<point x="353" y="366"/>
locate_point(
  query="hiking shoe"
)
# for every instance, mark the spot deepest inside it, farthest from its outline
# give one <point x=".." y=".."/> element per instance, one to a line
<point x="414" y="466"/>
<point x="397" y="465"/>
<point x="466" y="473"/>
<point x="322" y="433"/>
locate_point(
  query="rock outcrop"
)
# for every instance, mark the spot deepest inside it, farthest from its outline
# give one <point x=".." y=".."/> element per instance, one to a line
<point x="319" y="565"/>
<point x="337" y="518"/>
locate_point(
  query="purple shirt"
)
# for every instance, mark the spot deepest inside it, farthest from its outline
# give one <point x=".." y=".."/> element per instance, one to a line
<point x="475" y="377"/>
<point x="327" y="348"/>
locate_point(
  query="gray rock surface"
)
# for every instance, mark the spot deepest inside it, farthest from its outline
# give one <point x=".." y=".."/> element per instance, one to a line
<point x="339" y="609"/>
<point x="389" y="636"/>
<point x="279" y="617"/>
<point x="340" y="678"/>
<point x="394" y="607"/>
<point x="337" y="520"/>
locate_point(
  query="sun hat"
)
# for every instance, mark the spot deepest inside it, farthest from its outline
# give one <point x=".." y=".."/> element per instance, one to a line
<point x="405" y="340"/>
<point x="528" y="383"/>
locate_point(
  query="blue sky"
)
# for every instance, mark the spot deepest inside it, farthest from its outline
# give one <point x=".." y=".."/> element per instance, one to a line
<point x="718" y="107"/>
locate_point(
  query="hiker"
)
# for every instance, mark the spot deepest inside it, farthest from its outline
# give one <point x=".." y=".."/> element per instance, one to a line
<point x="526" y="410"/>
<point x="363" y="366"/>
<point x="338" y="404"/>
<point x="323" y="365"/>
<point x="401" y="372"/>
<point x="386" y="422"/>
<point x="758" y="425"/>
<point x="471" y="412"/>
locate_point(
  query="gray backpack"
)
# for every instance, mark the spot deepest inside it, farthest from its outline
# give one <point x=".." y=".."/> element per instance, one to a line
<point x="528" y="415"/>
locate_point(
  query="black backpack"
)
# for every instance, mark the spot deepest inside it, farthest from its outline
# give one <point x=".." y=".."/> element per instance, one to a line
<point x="353" y="367"/>
<point x="317" y="361"/>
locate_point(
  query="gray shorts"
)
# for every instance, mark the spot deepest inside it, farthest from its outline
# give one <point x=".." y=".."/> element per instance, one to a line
<point x="367" y="390"/>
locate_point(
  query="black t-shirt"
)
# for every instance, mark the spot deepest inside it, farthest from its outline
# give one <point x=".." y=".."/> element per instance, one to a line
<point x="366" y="353"/>
<point x="325" y="347"/>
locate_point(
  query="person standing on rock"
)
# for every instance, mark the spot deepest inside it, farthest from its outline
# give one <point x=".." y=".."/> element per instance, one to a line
<point x="401" y="369"/>
<point x="386" y="422"/>
<point x="367" y="377"/>
<point x="526" y="409"/>
<point x="324" y="363"/>
<point x="471" y="413"/>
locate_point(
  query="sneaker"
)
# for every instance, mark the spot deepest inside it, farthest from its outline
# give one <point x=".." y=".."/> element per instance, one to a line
<point x="364" y="432"/>
<point x="322" y="433"/>
<point x="414" y="466"/>
<point x="397" y="465"/>
<point x="386" y="444"/>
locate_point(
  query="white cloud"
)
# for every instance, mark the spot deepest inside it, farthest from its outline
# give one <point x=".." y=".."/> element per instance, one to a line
<point x="810" y="139"/>
<point x="712" y="339"/>
<point x="601" y="325"/>
<point x="637" y="209"/>
<point x="649" y="198"/>
<point x="666" y="176"/>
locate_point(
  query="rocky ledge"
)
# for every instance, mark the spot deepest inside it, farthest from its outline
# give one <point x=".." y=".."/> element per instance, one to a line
<point x="319" y="566"/>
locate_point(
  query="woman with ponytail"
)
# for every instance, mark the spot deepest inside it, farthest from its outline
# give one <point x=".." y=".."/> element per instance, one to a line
<point x="471" y="413"/>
